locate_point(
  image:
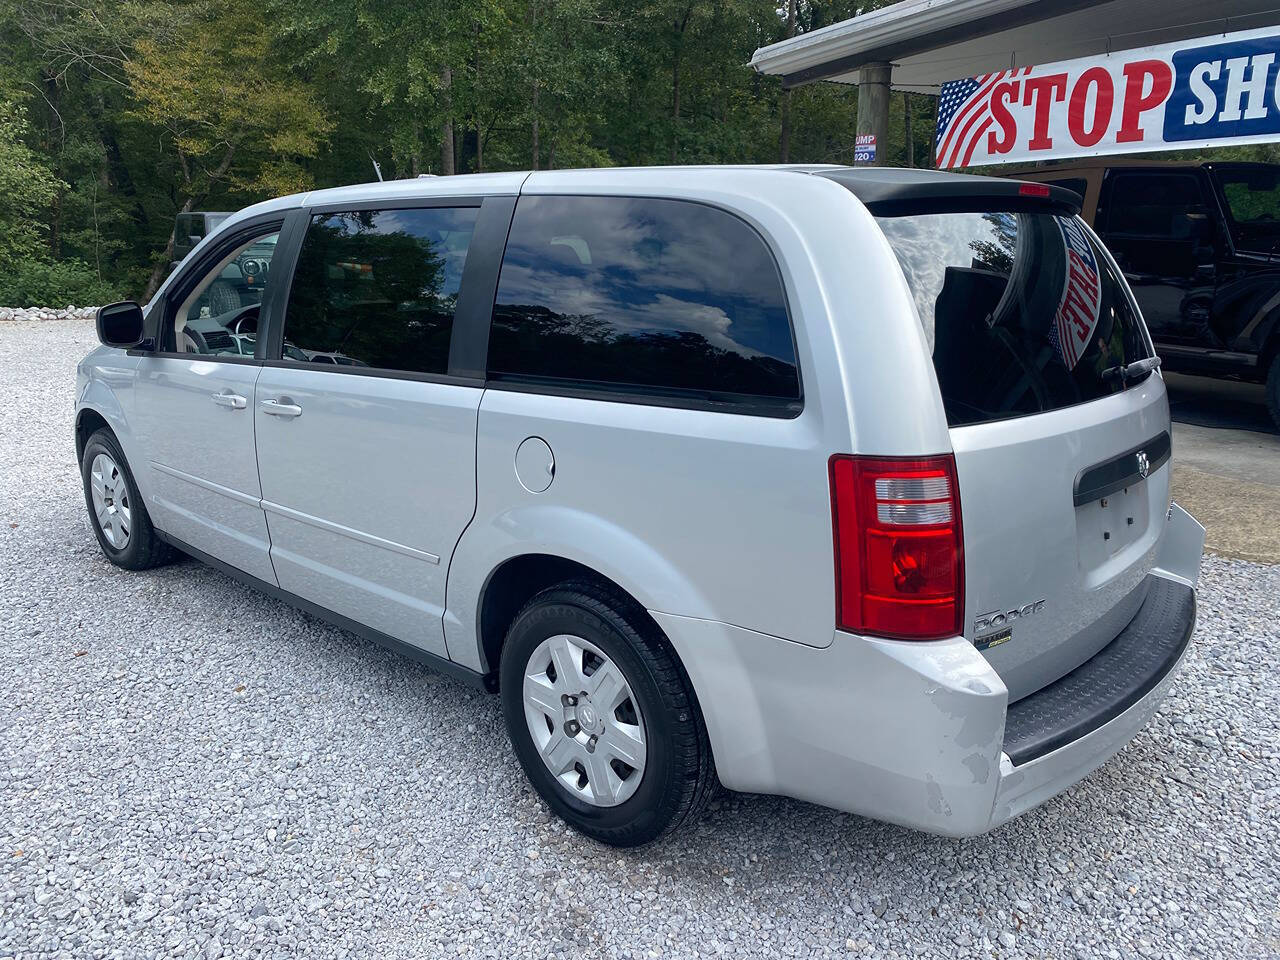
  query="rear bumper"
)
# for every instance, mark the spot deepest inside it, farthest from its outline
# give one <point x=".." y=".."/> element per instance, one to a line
<point x="1061" y="734"/>
<point x="921" y="734"/>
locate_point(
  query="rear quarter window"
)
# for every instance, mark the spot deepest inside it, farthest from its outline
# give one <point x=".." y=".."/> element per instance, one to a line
<point x="1022" y="312"/>
<point x="646" y="297"/>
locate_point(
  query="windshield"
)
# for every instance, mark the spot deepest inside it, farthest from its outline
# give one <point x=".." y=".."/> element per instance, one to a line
<point x="1021" y="310"/>
<point x="1253" y="196"/>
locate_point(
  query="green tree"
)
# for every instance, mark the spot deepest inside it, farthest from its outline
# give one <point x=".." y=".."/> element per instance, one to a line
<point x="28" y="189"/>
<point x="156" y="107"/>
<point x="219" y="95"/>
<point x="140" y="109"/>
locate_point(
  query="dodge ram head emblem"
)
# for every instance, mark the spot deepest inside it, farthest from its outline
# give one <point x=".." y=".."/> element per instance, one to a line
<point x="1144" y="465"/>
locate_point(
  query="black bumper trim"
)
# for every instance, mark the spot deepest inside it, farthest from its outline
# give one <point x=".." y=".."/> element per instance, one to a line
<point x="1117" y="677"/>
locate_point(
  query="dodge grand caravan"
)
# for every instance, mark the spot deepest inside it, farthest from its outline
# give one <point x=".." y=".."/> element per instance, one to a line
<point x="848" y="485"/>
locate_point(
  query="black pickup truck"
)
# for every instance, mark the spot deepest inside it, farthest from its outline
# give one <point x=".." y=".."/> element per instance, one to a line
<point x="1200" y="245"/>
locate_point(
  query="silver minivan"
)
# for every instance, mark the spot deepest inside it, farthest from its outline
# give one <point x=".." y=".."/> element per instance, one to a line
<point x="847" y="485"/>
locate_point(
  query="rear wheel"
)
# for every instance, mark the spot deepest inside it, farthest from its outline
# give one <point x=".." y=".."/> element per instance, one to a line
<point x="1273" y="390"/>
<point x="601" y="716"/>
<point x="119" y="518"/>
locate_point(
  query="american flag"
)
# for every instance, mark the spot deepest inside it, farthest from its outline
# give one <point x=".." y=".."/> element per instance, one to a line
<point x="964" y="115"/>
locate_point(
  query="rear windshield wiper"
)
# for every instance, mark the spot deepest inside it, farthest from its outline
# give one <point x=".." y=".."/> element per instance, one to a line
<point x="1125" y="372"/>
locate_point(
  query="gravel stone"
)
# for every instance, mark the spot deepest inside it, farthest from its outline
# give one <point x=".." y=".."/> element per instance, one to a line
<point x="218" y="774"/>
<point x="69" y="312"/>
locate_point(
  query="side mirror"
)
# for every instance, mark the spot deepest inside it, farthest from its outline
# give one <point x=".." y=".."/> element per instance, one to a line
<point x="121" y="324"/>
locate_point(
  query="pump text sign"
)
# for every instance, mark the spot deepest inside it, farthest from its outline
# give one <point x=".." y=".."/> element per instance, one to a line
<point x="1212" y="92"/>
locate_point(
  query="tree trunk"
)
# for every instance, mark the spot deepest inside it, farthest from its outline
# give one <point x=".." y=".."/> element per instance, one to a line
<point x="930" y="160"/>
<point x="533" y="133"/>
<point x="476" y="116"/>
<point x="161" y="269"/>
<point x="446" y="128"/>
<point x="784" y="141"/>
<point x="55" y="232"/>
<point x="535" y="125"/>
<point x="906" y="121"/>
<point x="675" y="106"/>
<point x="677" y="52"/>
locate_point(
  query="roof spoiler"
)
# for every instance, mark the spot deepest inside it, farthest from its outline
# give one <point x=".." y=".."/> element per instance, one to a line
<point x="898" y="193"/>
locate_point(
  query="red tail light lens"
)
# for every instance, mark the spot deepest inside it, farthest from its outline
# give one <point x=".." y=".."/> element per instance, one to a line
<point x="898" y="547"/>
<point x="1033" y="190"/>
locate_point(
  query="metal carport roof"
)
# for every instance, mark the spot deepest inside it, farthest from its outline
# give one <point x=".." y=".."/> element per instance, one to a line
<point x="931" y="41"/>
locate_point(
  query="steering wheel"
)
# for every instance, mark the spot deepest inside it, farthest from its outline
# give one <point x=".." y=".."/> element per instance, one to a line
<point x="242" y="315"/>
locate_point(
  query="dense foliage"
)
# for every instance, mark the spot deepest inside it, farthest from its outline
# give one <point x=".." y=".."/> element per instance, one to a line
<point x="115" y="115"/>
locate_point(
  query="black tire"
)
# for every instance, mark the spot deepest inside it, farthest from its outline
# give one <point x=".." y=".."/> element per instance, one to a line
<point x="1273" y="390"/>
<point x="678" y="777"/>
<point x="143" y="549"/>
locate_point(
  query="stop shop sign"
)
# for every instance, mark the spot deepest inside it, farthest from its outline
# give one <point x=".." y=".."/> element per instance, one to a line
<point x="1214" y="91"/>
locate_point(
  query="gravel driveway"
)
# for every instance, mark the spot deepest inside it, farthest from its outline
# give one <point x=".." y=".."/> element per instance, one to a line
<point x="190" y="769"/>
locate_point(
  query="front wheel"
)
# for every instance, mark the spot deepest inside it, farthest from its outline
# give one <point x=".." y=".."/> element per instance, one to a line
<point x="119" y="518"/>
<point x="601" y="716"/>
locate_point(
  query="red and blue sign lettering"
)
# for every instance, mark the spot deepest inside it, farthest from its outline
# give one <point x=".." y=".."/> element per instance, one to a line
<point x="1079" y="307"/>
<point x="1211" y="92"/>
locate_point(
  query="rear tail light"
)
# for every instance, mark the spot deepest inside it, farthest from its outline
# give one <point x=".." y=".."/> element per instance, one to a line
<point x="898" y="546"/>
<point x="1033" y="190"/>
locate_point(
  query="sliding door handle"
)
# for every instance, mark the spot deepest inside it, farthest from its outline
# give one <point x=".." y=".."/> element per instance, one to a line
<point x="281" y="407"/>
<point x="232" y="401"/>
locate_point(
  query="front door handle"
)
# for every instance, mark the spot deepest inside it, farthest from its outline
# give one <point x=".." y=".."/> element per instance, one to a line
<point x="281" y="407"/>
<point x="231" y="400"/>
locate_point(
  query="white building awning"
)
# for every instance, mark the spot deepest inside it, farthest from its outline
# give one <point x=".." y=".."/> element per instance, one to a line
<point x="929" y="42"/>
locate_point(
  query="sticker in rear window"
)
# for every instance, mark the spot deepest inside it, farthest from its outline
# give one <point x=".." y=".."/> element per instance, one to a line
<point x="1079" y="307"/>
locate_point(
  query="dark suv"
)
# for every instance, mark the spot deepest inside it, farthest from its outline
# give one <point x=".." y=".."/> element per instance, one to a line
<point x="1200" y="245"/>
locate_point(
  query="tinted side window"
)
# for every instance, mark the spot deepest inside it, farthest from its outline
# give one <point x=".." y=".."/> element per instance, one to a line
<point x="642" y="295"/>
<point x="377" y="288"/>
<point x="1153" y="205"/>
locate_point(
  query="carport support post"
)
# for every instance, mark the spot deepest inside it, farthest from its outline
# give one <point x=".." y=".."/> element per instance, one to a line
<point x="873" y="108"/>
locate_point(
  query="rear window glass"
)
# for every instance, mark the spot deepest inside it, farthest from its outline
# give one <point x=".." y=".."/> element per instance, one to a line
<point x="1021" y="311"/>
<point x="642" y="296"/>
